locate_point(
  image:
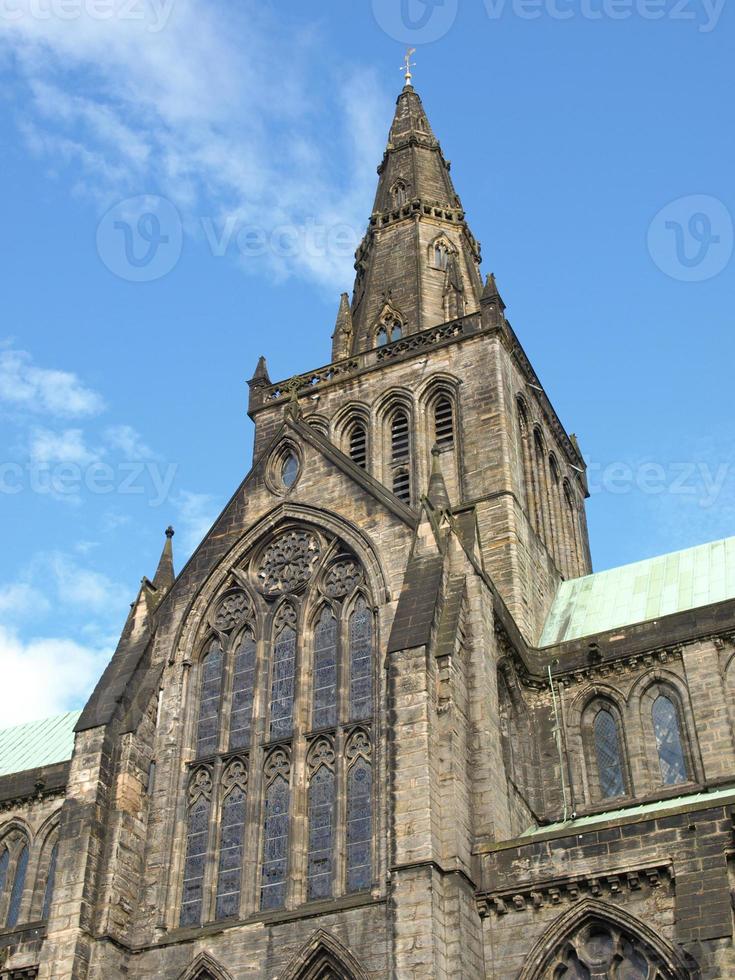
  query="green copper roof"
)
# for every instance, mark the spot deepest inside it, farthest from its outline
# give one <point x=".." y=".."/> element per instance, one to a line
<point x="693" y="801"/>
<point x="642" y="591"/>
<point x="37" y="743"/>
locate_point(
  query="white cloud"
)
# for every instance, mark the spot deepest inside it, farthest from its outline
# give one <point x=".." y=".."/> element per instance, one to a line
<point x="129" y="442"/>
<point x="77" y="585"/>
<point x="46" y="675"/>
<point x="68" y="446"/>
<point x="222" y="110"/>
<point x="20" y="599"/>
<point x="24" y="385"/>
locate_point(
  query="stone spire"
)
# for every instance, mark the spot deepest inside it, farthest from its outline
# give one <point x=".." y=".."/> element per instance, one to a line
<point x="165" y="574"/>
<point x="416" y="229"/>
<point x="342" y="336"/>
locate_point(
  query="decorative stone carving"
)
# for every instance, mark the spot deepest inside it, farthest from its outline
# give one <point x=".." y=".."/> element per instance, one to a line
<point x="321" y="753"/>
<point x="236" y="774"/>
<point x="200" y="784"/>
<point x="278" y="763"/>
<point x="342" y="578"/>
<point x="288" y="562"/>
<point x="232" y="610"/>
<point x="358" y="744"/>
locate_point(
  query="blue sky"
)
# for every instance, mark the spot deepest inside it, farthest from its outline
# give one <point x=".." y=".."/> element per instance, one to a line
<point x="592" y="144"/>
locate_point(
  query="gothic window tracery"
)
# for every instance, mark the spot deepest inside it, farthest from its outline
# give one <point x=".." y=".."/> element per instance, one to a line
<point x="288" y="660"/>
<point x="48" y="891"/>
<point x="390" y="328"/>
<point x="609" y="758"/>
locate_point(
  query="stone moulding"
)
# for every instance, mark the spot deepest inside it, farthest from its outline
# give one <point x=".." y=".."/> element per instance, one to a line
<point x="557" y="891"/>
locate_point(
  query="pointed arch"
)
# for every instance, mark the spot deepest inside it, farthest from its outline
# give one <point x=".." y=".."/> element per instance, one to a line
<point x="391" y="326"/>
<point x="205" y="967"/>
<point x="324" y="956"/>
<point x="616" y="928"/>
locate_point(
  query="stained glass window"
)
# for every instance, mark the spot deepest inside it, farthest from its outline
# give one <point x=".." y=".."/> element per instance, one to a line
<point x="209" y="701"/>
<point x="282" y="687"/>
<point x="232" y="831"/>
<point x="196" y="856"/>
<point x="321" y="833"/>
<point x="361" y="660"/>
<point x="359" y="826"/>
<point x="242" y="691"/>
<point x="275" y="845"/>
<point x="609" y="764"/>
<point x="668" y="741"/>
<point x="325" y="671"/>
<point x="19" y="882"/>
<point x="48" y="892"/>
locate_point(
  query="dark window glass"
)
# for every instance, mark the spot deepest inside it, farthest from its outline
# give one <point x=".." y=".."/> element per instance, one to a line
<point x="290" y="470"/>
<point x="19" y="882"/>
<point x="399" y="437"/>
<point x="4" y="863"/>
<point x="358" y="444"/>
<point x="232" y="829"/>
<point x="242" y="692"/>
<point x="275" y="845"/>
<point x="321" y="833"/>
<point x="609" y="764"/>
<point x="361" y="662"/>
<point x="397" y="330"/>
<point x="668" y="741"/>
<point x="382" y="337"/>
<point x="282" y="686"/>
<point x="48" y="892"/>
<point x="196" y="855"/>
<point x="325" y="672"/>
<point x="209" y="700"/>
<point x="359" y="826"/>
<point x="443" y="422"/>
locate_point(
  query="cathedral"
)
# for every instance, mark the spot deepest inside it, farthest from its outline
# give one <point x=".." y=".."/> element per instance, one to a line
<point x="386" y="723"/>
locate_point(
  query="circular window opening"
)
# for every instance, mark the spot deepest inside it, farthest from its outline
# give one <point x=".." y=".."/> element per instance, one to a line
<point x="289" y="470"/>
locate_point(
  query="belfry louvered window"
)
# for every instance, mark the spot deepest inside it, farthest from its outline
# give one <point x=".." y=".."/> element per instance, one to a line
<point x="284" y="681"/>
<point x="444" y="422"/>
<point x="358" y="444"/>
<point x="400" y="442"/>
<point x="609" y="761"/>
<point x="667" y="730"/>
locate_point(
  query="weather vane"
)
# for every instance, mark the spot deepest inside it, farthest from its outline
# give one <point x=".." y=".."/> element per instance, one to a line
<point x="408" y="65"/>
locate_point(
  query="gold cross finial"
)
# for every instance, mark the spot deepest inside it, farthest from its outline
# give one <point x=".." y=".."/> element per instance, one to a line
<point x="408" y="65"/>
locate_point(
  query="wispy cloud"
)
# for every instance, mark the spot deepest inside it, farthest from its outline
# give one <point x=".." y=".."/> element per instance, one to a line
<point x="26" y="386"/>
<point x="196" y="512"/>
<point x="201" y="103"/>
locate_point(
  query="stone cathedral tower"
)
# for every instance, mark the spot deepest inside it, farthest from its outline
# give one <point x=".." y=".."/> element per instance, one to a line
<point x="385" y="723"/>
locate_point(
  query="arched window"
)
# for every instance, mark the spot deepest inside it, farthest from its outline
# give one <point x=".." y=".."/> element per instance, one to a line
<point x="390" y="329"/>
<point x="209" y="700"/>
<point x="400" y="440"/>
<point x="243" y="689"/>
<point x="321" y="814"/>
<point x="361" y="662"/>
<point x="284" y="674"/>
<point x="48" y="892"/>
<point x="441" y="256"/>
<point x="667" y="730"/>
<point x="382" y="337"/>
<point x="232" y="840"/>
<point x="444" y="422"/>
<point x="274" y="872"/>
<point x="197" y="837"/>
<point x="609" y="757"/>
<point x="19" y="882"/>
<point x="302" y="590"/>
<point x="400" y="194"/>
<point x="4" y="865"/>
<point x="324" y="711"/>
<point x="359" y="813"/>
<point x="358" y="443"/>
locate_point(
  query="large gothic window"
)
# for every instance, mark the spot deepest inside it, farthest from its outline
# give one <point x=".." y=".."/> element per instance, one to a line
<point x="282" y="734"/>
<point x="667" y="729"/>
<point x="14" y="855"/>
<point x="48" y="891"/>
